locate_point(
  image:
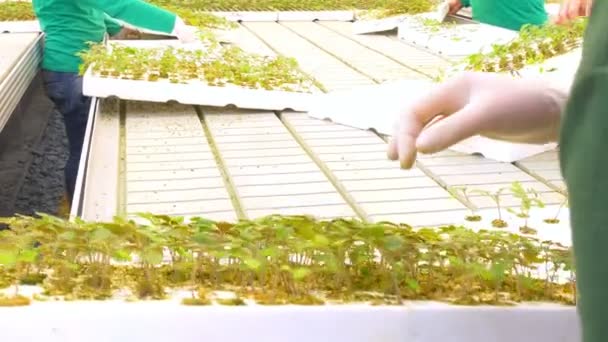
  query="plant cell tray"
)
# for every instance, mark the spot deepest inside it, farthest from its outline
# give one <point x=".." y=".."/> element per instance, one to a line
<point x="194" y="93"/>
<point x="20" y="56"/>
<point x="168" y="321"/>
<point x="316" y="16"/>
<point x="455" y="40"/>
<point x="365" y="26"/>
<point x="30" y="26"/>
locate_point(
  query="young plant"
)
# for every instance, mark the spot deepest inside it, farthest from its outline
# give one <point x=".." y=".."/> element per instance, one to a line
<point x="464" y="191"/>
<point x="496" y="198"/>
<point x="555" y="219"/>
<point x="528" y="198"/>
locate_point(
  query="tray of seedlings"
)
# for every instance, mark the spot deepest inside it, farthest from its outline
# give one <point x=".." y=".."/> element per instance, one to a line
<point x="534" y="48"/>
<point x="155" y="277"/>
<point x="454" y="37"/>
<point x="17" y="16"/>
<point x="204" y="73"/>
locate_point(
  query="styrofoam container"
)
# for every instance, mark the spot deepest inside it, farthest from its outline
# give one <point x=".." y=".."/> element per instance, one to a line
<point x="500" y="150"/>
<point x="316" y="16"/>
<point x="20" y="26"/>
<point x="364" y="26"/>
<point x="168" y="321"/>
<point x="195" y="93"/>
<point x="460" y="40"/>
<point x="249" y="16"/>
<point x="377" y="25"/>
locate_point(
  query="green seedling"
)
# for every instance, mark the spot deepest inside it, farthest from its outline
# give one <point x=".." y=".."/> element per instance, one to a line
<point x="555" y="219"/>
<point x="529" y="198"/>
<point x="496" y="198"/>
<point x="277" y="260"/>
<point x="464" y="192"/>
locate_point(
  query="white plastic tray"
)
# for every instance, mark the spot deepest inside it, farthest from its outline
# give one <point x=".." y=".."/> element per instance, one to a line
<point x="19" y="26"/>
<point x="316" y="16"/>
<point x="169" y="321"/>
<point x="364" y="26"/>
<point x="249" y="16"/>
<point x="459" y="40"/>
<point x="195" y="93"/>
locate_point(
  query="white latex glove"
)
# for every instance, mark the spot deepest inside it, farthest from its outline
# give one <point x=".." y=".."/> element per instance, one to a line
<point x="183" y="32"/>
<point x="492" y="105"/>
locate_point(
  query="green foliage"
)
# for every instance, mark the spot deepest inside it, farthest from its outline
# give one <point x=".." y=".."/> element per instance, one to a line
<point x="388" y="7"/>
<point x="277" y="260"/>
<point x="16" y="11"/>
<point x="533" y="45"/>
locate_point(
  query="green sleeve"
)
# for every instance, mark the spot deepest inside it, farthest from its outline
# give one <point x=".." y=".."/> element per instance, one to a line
<point x="137" y="13"/>
<point x="584" y="163"/>
<point x="112" y="26"/>
<point x="465" y="3"/>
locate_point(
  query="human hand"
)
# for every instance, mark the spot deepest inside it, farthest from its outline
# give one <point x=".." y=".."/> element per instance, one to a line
<point x="127" y="33"/>
<point x="492" y="105"/>
<point x="183" y="32"/>
<point x="572" y="9"/>
<point x="455" y="6"/>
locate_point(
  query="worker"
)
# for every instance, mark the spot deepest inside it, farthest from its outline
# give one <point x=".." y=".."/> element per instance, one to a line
<point x="532" y="111"/>
<point x="69" y="26"/>
<point x="511" y="14"/>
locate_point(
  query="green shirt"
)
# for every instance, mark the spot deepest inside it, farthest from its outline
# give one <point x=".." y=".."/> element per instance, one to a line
<point x="509" y="14"/>
<point x="584" y="161"/>
<point x="70" y="24"/>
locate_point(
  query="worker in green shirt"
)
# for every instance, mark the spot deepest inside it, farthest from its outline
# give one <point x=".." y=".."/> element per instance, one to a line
<point x="69" y="25"/>
<point x="508" y="14"/>
<point x="534" y="111"/>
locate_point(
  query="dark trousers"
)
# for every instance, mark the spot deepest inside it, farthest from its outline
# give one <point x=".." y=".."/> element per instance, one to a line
<point x="65" y="90"/>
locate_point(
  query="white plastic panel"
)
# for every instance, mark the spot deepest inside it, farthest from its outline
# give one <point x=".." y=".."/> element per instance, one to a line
<point x="20" y="56"/>
<point x="159" y="321"/>
<point x="456" y="40"/>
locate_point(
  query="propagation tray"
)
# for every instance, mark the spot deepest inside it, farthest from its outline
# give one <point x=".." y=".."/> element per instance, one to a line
<point x="462" y="38"/>
<point x="20" y="56"/>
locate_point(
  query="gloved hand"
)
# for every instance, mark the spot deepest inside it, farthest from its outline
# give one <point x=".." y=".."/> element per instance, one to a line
<point x="183" y="32"/>
<point x="572" y="9"/>
<point x="492" y="105"/>
<point x="127" y="33"/>
<point x="455" y="6"/>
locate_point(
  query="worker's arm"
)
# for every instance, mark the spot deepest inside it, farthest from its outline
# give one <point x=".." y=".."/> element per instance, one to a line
<point x="113" y="27"/>
<point x="137" y="13"/>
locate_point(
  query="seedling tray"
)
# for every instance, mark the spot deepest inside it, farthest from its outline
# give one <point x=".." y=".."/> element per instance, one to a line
<point x="19" y="26"/>
<point x="166" y="321"/>
<point x="364" y="25"/>
<point x="457" y="39"/>
<point x="192" y="92"/>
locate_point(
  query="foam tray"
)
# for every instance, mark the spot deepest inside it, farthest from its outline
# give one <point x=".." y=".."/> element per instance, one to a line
<point x="30" y="26"/>
<point x="195" y="93"/>
<point x="365" y="26"/>
<point x="462" y="39"/>
<point x="161" y="321"/>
